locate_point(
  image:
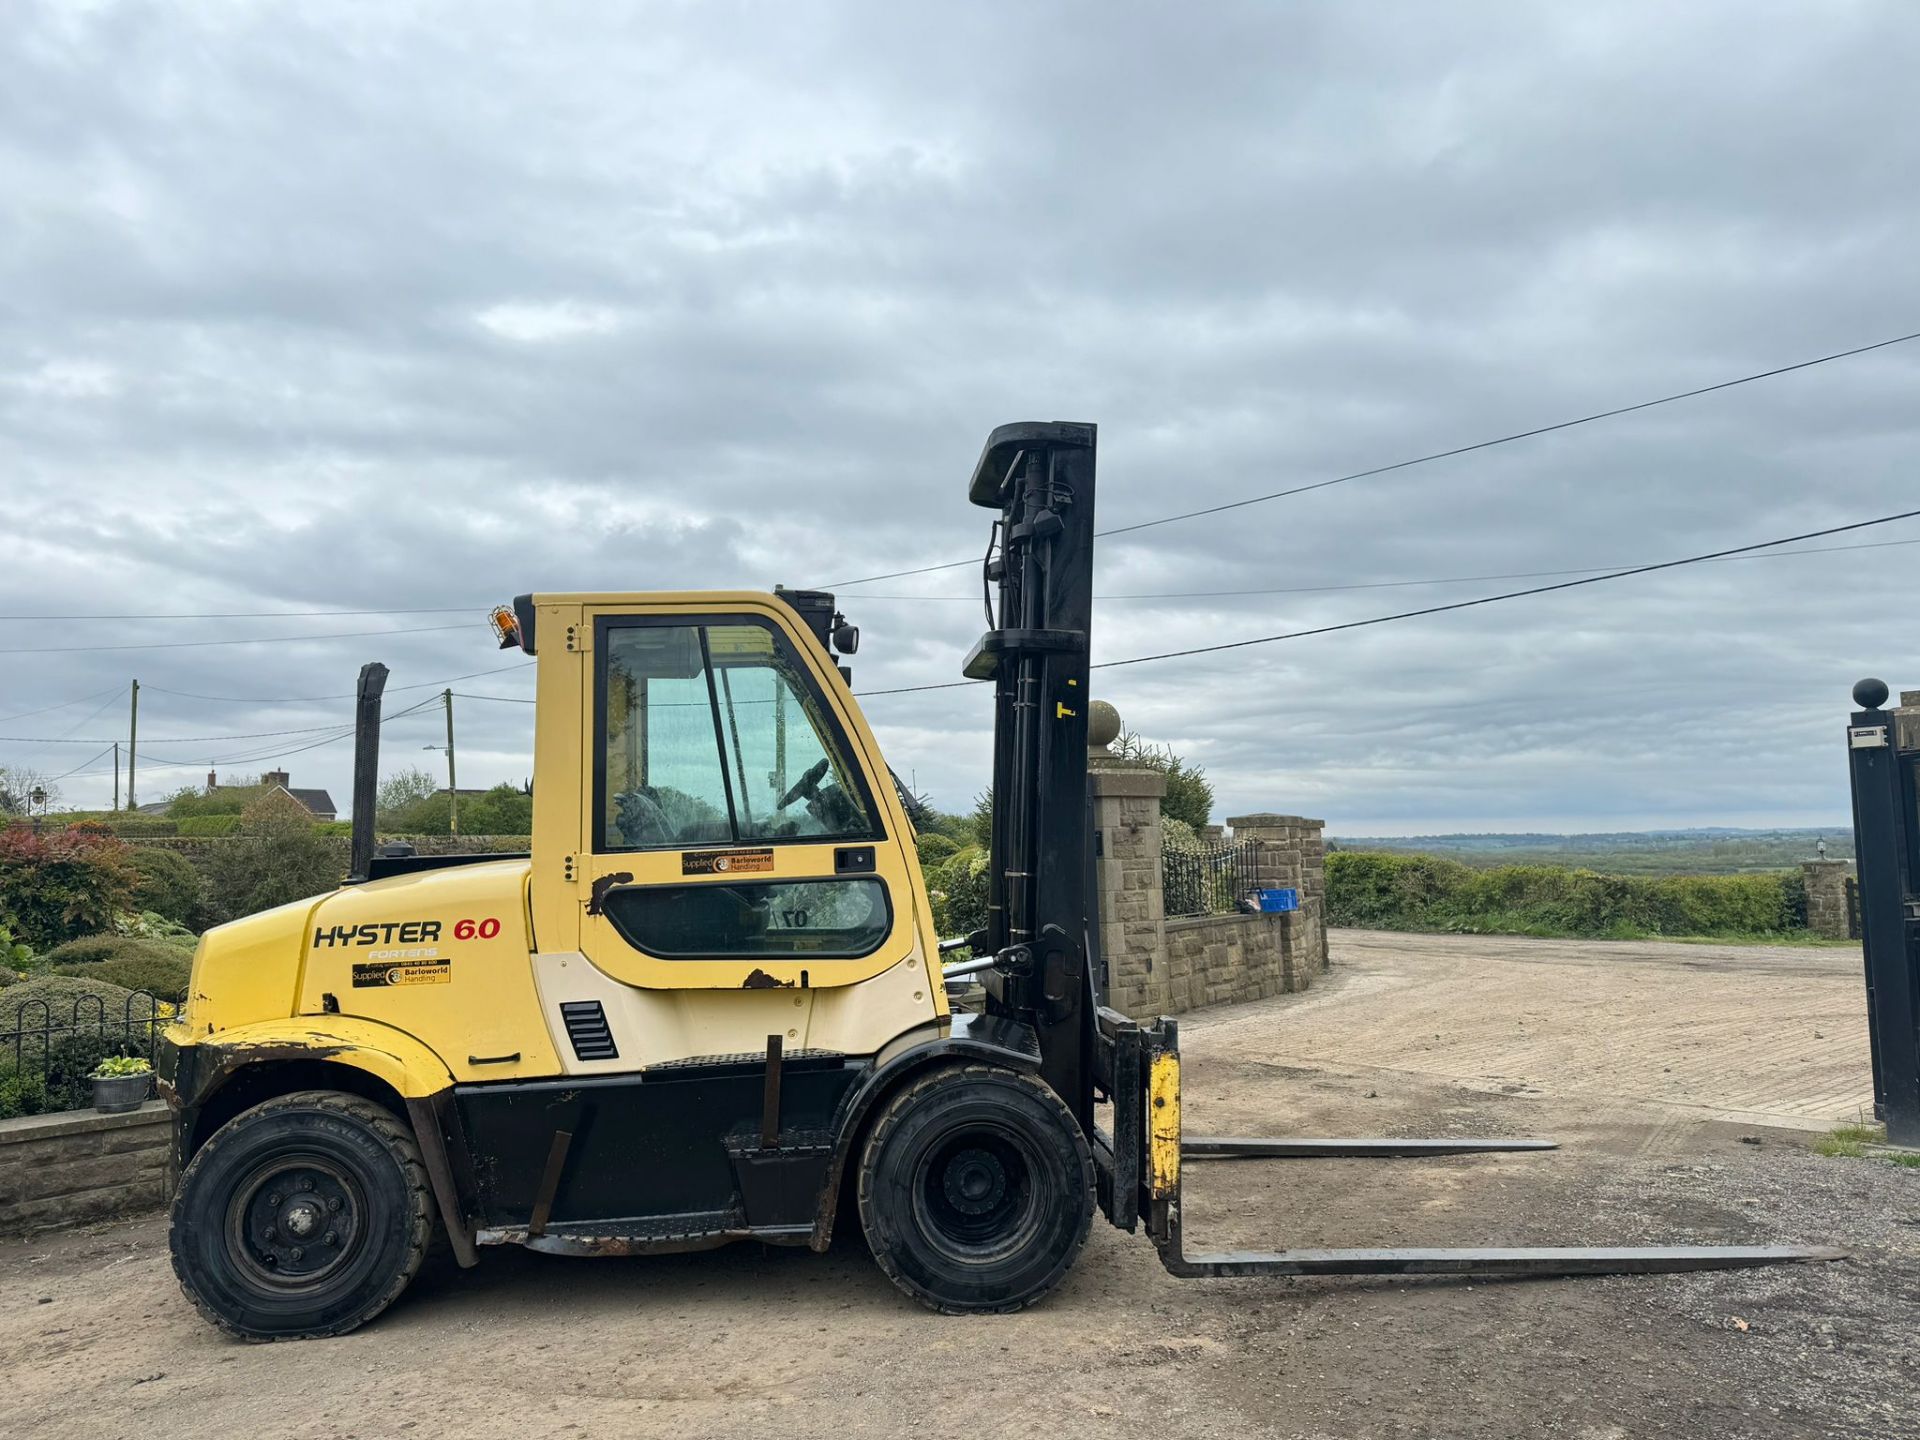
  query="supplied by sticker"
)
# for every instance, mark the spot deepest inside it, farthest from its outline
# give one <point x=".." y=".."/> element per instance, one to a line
<point x="404" y="972"/>
<point x="727" y="862"/>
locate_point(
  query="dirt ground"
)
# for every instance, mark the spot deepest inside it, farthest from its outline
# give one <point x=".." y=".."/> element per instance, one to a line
<point x="96" y="1340"/>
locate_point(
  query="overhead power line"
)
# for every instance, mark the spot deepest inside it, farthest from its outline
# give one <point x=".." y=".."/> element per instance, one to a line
<point x="63" y="705"/>
<point x="1444" y="609"/>
<point x="173" y="739"/>
<point x="340" y="733"/>
<point x="245" y="614"/>
<point x="342" y="695"/>
<point x="98" y="754"/>
<point x="1407" y="464"/>
<point x="252" y="640"/>
<point x="1406" y="584"/>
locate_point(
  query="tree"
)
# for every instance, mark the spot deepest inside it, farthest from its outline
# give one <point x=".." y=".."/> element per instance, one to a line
<point x="1189" y="794"/>
<point x="17" y="784"/>
<point x="503" y="810"/>
<point x="400" y="793"/>
<point x="278" y="857"/>
<point x="980" y="822"/>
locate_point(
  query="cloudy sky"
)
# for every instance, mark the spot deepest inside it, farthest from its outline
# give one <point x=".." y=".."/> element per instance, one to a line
<point x="408" y="308"/>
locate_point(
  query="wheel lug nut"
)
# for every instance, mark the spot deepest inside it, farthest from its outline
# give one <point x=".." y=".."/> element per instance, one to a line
<point x="334" y="1204"/>
<point x="306" y="1185"/>
<point x="296" y="1252"/>
<point x="274" y="1199"/>
<point x="331" y="1238"/>
<point x="272" y="1234"/>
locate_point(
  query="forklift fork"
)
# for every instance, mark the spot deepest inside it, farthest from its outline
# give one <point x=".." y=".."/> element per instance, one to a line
<point x="1139" y="1169"/>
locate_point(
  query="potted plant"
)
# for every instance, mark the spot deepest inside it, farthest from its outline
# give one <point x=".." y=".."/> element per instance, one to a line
<point x="121" y="1083"/>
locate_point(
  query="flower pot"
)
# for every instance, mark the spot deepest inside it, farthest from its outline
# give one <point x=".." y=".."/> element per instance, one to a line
<point x="116" y="1094"/>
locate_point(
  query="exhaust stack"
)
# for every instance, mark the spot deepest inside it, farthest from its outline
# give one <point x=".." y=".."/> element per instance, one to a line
<point x="366" y="764"/>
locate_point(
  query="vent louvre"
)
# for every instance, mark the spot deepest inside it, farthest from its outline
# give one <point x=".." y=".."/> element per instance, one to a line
<point x="587" y="1028"/>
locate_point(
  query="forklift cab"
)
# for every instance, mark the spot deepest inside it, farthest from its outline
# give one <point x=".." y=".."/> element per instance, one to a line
<point x="723" y="820"/>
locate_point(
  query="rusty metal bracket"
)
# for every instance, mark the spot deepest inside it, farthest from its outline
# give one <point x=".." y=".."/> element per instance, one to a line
<point x="549" y="1183"/>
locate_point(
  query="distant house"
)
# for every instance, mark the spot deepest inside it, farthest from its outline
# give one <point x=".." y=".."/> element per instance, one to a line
<point x="317" y="803"/>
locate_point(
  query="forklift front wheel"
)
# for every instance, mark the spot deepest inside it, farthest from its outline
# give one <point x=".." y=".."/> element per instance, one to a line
<point x="976" y="1190"/>
<point x="304" y="1216"/>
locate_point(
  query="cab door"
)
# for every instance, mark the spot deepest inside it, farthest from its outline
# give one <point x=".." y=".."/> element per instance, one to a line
<point x="737" y="834"/>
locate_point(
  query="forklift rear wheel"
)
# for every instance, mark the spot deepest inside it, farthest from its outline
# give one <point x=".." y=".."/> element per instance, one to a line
<point x="976" y="1190"/>
<point x="302" y="1217"/>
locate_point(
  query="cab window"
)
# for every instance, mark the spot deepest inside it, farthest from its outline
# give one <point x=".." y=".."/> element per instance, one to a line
<point x="713" y="734"/>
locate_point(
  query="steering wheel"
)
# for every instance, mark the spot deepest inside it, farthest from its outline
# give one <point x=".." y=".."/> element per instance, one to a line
<point x="806" y="784"/>
<point x="640" y="812"/>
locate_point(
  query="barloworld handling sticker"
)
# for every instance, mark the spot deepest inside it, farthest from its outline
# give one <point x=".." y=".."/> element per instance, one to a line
<point x="727" y="862"/>
<point x="428" y="970"/>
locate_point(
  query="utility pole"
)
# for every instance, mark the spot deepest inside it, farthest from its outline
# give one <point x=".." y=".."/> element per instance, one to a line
<point x="133" y="740"/>
<point x="453" y="785"/>
<point x="116" y="776"/>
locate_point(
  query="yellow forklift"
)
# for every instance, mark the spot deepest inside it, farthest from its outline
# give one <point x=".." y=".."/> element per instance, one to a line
<point x="710" y="1003"/>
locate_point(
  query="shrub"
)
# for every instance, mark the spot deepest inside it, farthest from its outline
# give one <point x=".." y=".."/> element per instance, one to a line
<point x="58" y="993"/>
<point x="126" y="825"/>
<point x="14" y="954"/>
<point x="20" y="1093"/>
<point x="277" y="858"/>
<point x="935" y="848"/>
<point x="210" y="825"/>
<point x="168" y="885"/>
<point x="57" y="885"/>
<point x="163" y="975"/>
<point x="150" y="925"/>
<point x="959" y="889"/>
<point x="154" y="966"/>
<point x="1424" y="892"/>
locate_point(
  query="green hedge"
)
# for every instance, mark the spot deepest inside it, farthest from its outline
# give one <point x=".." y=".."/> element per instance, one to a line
<point x="1424" y="892"/>
<point x="209" y="825"/>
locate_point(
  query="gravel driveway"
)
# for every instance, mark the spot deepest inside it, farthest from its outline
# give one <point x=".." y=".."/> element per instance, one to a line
<point x="1404" y="1037"/>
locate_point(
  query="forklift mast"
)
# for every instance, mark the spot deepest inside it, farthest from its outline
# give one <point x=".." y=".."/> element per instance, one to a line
<point x="1041" y="925"/>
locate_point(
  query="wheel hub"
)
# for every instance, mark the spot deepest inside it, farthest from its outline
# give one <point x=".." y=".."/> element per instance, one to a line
<point x="295" y="1220"/>
<point x="976" y="1181"/>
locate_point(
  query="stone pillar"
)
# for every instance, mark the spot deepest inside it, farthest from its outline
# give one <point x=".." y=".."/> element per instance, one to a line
<point x="1133" y="929"/>
<point x="1826" y="882"/>
<point x="1290" y="852"/>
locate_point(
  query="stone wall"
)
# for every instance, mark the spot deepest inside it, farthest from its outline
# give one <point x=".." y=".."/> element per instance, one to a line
<point x="1290" y="852"/>
<point x="1126" y="815"/>
<point x="1158" y="966"/>
<point x="1826" y="882"/>
<point x="1229" y="959"/>
<point x="81" y="1165"/>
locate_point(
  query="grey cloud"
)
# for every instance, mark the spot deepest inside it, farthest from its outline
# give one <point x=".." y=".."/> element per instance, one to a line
<point x="430" y="304"/>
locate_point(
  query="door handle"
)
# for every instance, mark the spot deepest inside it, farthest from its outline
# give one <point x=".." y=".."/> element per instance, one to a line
<point x="493" y="1059"/>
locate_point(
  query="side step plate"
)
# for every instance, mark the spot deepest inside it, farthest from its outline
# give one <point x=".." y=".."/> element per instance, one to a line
<point x="1573" y="1260"/>
<point x="1215" y="1147"/>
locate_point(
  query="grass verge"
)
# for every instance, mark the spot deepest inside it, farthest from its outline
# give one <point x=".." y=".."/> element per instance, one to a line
<point x="1858" y="1142"/>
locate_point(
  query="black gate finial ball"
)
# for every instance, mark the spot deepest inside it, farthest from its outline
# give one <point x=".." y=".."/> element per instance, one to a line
<point x="1870" y="694"/>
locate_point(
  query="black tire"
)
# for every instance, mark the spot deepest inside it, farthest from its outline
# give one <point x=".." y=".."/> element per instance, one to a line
<point x="976" y="1190"/>
<point x="302" y="1217"/>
